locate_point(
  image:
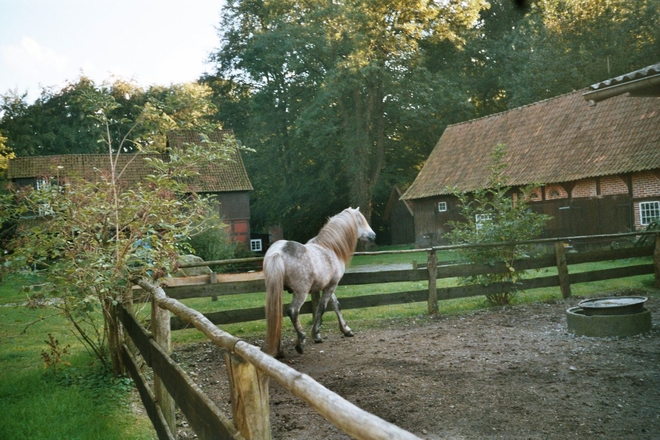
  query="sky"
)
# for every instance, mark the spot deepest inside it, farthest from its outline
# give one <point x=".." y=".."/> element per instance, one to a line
<point x="45" y="43"/>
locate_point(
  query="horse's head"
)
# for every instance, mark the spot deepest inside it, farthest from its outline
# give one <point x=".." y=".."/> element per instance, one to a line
<point x="365" y="233"/>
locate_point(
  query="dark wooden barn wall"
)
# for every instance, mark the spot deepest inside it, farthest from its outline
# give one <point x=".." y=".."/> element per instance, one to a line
<point x="402" y="227"/>
<point x="570" y="217"/>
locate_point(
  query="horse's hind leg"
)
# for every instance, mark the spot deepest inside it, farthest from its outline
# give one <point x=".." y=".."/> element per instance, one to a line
<point x="318" y="317"/>
<point x="294" y="313"/>
<point x="343" y="327"/>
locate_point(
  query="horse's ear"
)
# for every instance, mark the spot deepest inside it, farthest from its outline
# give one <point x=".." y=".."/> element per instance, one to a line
<point x="357" y="209"/>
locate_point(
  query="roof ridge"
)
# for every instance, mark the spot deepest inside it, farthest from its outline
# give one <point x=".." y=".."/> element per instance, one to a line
<point x="532" y="104"/>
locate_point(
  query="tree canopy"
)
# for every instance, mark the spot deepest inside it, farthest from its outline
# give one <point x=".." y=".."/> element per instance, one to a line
<point x="343" y="99"/>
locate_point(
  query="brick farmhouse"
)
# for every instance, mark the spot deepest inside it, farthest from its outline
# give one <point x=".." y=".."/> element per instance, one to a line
<point x="595" y="154"/>
<point x="227" y="181"/>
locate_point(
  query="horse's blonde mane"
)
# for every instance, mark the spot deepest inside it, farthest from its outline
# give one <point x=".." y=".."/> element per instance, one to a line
<point x="340" y="234"/>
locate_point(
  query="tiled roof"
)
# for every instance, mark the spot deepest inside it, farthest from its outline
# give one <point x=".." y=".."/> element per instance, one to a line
<point x="557" y="140"/>
<point x="217" y="177"/>
<point x="628" y="77"/>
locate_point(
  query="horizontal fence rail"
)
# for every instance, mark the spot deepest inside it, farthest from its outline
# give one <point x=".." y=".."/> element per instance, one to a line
<point x="216" y="285"/>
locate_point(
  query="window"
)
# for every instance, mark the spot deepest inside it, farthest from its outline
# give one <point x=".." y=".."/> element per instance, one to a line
<point x="648" y="212"/>
<point x="480" y="219"/>
<point x="42" y="183"/>
<point x="255" y="245"/>
<point x="442" y="206"/>
<point x="45" y="209"/>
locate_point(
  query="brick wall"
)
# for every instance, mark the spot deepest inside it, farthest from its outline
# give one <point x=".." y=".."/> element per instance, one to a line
<point x="646" y="184"/>
<point x="584" y="188"/>
<point x="612" y="185"/>
<point x="553" y="192"/>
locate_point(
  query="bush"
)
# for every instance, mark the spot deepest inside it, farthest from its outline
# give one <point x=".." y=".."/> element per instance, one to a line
<point x="492" y="215"/>
<point x="213" y="244"/>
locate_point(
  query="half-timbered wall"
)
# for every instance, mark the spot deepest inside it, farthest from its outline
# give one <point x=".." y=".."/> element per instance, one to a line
<point x="602" y="205"/>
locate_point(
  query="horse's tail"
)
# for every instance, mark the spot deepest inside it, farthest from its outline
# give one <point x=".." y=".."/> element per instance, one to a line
<point x="274" y="273"/>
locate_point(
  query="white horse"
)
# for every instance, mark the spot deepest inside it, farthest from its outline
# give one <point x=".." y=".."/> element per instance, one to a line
<point x="316" y="266"/>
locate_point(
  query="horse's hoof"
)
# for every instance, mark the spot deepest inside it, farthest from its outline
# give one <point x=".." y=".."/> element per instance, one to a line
<point x="299" y="349"/>
<point x="318" y="340"/>
<point x="349" y="334"/>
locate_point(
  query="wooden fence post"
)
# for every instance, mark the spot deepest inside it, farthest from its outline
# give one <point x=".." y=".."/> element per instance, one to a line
<point x="249" y="398"/>
<point x="656" y="260"/>
<point x="160" y="330"/>
<point x="213" y="279"/>
<point x="562" y="269"/>
<point x="432" y="266"/>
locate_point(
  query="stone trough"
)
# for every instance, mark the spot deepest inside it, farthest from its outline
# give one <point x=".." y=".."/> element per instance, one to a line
<point x="607" y="317"/>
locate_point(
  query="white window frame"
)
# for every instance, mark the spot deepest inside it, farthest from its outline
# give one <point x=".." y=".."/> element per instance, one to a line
<point x="42" y="183"/>
<point x="442" y="206"/>
<point x="45" y="209"/>
<point x="256" y="245"/>
<point x="648" y="212"/>
<point x="480" y="219"/>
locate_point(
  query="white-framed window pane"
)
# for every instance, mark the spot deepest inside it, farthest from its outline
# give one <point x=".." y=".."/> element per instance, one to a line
<point x="255" y="245"/>
<point x="480" y="219"/>
<point x="442" y="206"/>
<point x="45" y="209"/>
<point x="42" y="184"/>
<point x="648" y="212"/>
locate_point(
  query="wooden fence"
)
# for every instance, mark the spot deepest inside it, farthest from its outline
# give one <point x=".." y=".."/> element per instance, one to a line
<point x="215" y="285"/>
<point x="249" y="369"/>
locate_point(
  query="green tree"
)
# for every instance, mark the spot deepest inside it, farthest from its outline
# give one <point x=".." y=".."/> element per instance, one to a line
<point x="327" y="81"/>
<point x="54" y="124"/>
<point x="565" y="45"/>
<point x="5" y="155"/>
<point x="497" y="215"/>
<point x="94" y="236"/>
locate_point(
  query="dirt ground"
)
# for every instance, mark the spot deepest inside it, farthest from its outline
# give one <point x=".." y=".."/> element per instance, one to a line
<point x="511" y="373"/>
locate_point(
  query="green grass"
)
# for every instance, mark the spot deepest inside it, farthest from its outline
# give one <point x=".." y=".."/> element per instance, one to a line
<point x="82" y="403"/>
<point x="78" y="402"/>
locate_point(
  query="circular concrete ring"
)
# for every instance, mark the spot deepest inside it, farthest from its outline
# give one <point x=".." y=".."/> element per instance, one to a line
<point x="607" y="325"/>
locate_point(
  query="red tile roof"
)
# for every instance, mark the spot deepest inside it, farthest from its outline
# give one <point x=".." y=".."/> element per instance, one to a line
<point x="557" y="140"/>
<point x="217" y="177"/>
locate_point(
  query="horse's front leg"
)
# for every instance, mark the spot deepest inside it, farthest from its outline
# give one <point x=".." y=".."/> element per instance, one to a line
<point x="343" y="327"/>
<point x="294" y="314"/>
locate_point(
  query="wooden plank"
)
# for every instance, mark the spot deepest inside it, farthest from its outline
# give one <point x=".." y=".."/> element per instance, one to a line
<point x="466" y="270"/>
<point x="249" y="398"/>
<point x="610" y="254"/>
<point x="218" y="289"/>
<point x="390" y="276"/>
<point x="147" y="396"/>
<point x="203" y="415"/>
<point x="608" y="274"/>
<point x="139" y="335"/>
